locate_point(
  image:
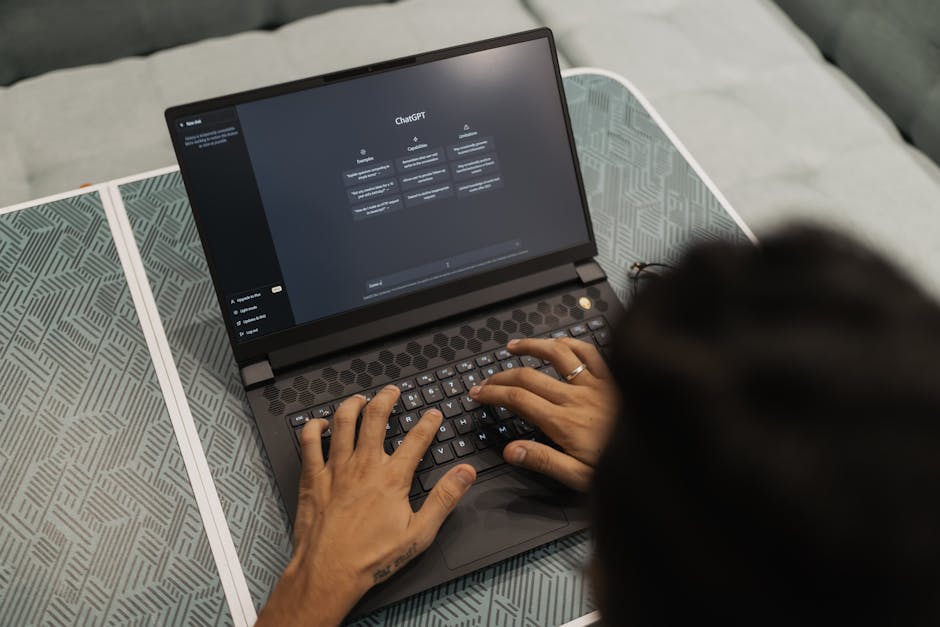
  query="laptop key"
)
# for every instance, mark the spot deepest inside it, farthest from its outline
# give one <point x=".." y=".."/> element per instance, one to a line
<point x="559" y="333"/>
<point x="425" y="379"/>
<point x="452" y="387"/>
<point x="445" y="373"/>
<point x="470" y="379"/>
<point x="484" y="360"/>
<point x="509" y="364"/>
<point x="484" y="416"/>
<point x="432" y="393"/>
<point x="408" y="421"/>
<point x="503" y="354"/>
<point x="425" y="463"/>
<point x="464" y="425"/>
<point x="463" y="446"/>
<point x="417" y="502"/>
<point x="465" y="366"/>
<point x="442" y="452"/>
<point x="415" y="488"/>
<point x="503" y="412"/>
<point x="484" y="439"/>
<point x="482" y="461"/>
<point x="392" y="427"/>
<point x="411" y="400"/>
<point x="578" y="329"/>
<point x="323" y="411"/>
<point x="602" y="336"/>
<point x="489" y="371"/>
<point x="451" y="407"/>
<point x="406" y="386"/>
<point x="522" y="426"/>
<point x="530" y="362"/>
<point x="468" y="403"/>
<point x="297" y="420"/>
<point x="446" y="431"/>
<point x="596" y="323"/>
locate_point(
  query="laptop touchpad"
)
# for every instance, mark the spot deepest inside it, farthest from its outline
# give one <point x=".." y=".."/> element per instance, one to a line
<point x="497" y="514"/>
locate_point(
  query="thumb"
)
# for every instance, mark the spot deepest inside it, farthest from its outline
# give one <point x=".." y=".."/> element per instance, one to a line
<point x="442" y="500"/>
<point x="547" y="461"/>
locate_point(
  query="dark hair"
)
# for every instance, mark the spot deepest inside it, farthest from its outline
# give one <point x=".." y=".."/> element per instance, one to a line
<point x="777" y="461"/>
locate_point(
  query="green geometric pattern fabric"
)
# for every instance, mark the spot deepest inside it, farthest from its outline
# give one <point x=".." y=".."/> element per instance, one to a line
<point x="98" y="523"/>
<point x="647" y="203"/>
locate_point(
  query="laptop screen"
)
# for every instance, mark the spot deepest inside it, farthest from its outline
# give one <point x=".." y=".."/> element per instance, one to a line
<point x="328" y="199"/>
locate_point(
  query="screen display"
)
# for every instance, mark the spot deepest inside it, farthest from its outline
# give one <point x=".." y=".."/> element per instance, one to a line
<point x="329" y="199"/>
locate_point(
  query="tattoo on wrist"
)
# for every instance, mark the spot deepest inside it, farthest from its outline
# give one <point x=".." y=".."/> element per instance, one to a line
<point x="386" y="571"/>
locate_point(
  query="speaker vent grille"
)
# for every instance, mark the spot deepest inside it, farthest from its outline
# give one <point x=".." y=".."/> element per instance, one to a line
<point x="367" y="371"/>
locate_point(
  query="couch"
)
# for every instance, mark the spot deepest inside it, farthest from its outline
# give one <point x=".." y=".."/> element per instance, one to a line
<point x="783" y="132"/>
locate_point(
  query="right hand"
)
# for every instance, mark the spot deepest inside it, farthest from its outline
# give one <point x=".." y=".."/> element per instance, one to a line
<point x="578" y="416"/>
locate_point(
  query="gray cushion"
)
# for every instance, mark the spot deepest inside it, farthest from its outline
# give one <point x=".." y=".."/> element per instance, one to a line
<point x="783" y="133"/>
<point x="891" y="48"/>
<point x="99" y="122"/>
<point x="37" y="36"/>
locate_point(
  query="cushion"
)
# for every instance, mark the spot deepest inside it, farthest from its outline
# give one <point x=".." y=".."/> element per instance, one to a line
<point x="79" y="33"/>
<point x="99" y="122"/>
<point x="783" y="133"/>
<point x="891" y="49"/>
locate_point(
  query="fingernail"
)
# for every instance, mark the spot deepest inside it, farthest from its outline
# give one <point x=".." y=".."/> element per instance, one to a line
<point x="391" y="387"/>
<point x="512" y="342"/>
<point x="464" y="477"/>
<point x="361" y="396"/>
<point x="434" y="411"/>
<point x="517" y="455"/>
<point x="474" y="390"/>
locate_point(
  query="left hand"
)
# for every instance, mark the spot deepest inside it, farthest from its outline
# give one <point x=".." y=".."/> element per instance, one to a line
<point x="355" y="527"/>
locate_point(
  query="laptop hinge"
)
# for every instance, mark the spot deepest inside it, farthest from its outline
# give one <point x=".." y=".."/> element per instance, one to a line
<point x="257" y="374"/>
<point x="590" y="272"/>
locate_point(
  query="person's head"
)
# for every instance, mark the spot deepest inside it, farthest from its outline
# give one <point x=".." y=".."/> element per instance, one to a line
<point x="777" y="460"/>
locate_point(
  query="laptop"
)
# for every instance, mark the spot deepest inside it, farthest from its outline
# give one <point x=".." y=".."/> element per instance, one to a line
<point x="398" y="223"/>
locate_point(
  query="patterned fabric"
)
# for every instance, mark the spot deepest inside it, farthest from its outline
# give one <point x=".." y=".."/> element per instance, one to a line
<point x="98" y="524"/>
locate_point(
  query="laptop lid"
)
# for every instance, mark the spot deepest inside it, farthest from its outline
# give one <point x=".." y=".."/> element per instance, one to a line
<point x="329" y="202"/>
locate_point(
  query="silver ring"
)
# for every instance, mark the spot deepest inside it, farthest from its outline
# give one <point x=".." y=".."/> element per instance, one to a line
<point x="571" y="375"/>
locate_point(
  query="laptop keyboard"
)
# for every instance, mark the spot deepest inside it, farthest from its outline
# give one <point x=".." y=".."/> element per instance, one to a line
<point x="470" y="433"/>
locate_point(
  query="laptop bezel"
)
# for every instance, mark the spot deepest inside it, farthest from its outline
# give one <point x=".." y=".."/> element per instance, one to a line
<point x="247" y="352"/>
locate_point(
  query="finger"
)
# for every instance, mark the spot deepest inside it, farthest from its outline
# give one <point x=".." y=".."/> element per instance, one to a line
<point x="442" y="500"/>
<point x="547" y="461"/>
<point x="534" y="381"/>
<point x="557" y="353"/>
<point x="418" y="440"/>
<point x="588" y="353"/>
<point x="311" y="452"/>
<point x="532" y="407"/>
<point x="344" y="427"/>
<point x="374" y="418"/>
<point x="311" y="447"/>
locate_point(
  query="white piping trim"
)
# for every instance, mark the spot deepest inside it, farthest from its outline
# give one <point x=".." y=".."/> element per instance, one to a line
<point x="223" y="550"/>
<point x="61" y="196"/>
<point x="584" y="621"/>
<point x="98" y="187"/>
<point x="143" y="175"/>
<point x="661" y="123"/>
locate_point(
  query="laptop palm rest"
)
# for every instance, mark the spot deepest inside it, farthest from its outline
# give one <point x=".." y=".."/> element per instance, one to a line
<point x="497" y="514"/>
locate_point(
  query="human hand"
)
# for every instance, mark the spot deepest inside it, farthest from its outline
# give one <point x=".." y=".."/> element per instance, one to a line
<point x="354" y="526"/>
<point x="577" y="415"/>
